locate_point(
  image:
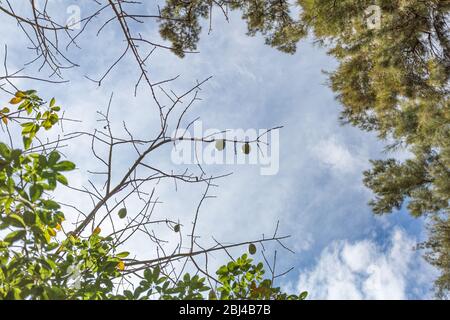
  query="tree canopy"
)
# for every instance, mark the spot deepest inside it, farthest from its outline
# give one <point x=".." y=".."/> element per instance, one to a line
<point x="392" y="79"/>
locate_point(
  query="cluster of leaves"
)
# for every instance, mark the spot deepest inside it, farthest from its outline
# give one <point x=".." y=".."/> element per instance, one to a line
<point x="239" y="280"/>
<point x="36" y="115"/>
<point x="29" y="219"/>
<point x="33" y="263"/>
<point x="394" y="80"/>
<point x="181" y="22"/>
<point x="438" y="252"/>
<point x="40" y="261"/>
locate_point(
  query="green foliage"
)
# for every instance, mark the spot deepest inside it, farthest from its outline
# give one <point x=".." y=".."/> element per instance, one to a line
<point x="28" y="216"/>
<point x="394" y="80"/>
<point x="437" y="252"/>
<point x="37" y="263"/>
<point x="239" y="279"/>
<point x="181" y="22"/>
<point x="39" y="116"/>
<point x="393" y="181"/>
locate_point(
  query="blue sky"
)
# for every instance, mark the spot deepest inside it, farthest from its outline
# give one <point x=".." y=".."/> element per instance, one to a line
<point x="342" y="249"/>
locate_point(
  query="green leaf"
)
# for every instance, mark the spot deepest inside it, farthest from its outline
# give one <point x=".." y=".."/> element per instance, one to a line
<point x="29" y="218"/>
<point x="51" y="205"/>
<point x="122" y="254"/>
<point x="4" y="151"/>
<point x="11" y="185"/>
<point x="303" y="295"/>
<point x="148" y="275"/>
<point x="27" y="127"/>
<point x="15" y="155"/>
<point x="122" y="213"/>
<point x="64" y="166"/>
<point x="53" y="158"/>
<point x="52" y="102"/>
<point x="3" y="164"/>
<point x="15" y="236"/>
<point x="128" y="294"/>
<point x="222" y="270"/>
<point x="42" y="161"/>
<point x="47" y="124"/>
<point x="15" y="220"/>
<point x="212" y="295"/>
<point x="53" y="118"/>
<point x="62" y="179"/>
<point x="17" y="294"/>
<point x="156" y="273"/>
<point x="35" y="192"/>
<point x="26" y="142"/>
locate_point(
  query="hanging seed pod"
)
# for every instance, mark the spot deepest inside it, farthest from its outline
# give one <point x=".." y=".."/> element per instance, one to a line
<point x="220" y="144"/>
<point x="251" y="248"/>
<point x="122" y="213"/>
<point x="246" y="148"/>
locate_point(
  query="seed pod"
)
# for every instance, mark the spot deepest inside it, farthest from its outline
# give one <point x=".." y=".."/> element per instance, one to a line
<point x="220" y="144"/>
<point x="122" y="213"/>
<point x="246" y="148"/>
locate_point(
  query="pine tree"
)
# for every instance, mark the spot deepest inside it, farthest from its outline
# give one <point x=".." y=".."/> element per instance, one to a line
<point x="273" y="19"/>
<point x="395" y="80"/>
<point x="438" y="252"/>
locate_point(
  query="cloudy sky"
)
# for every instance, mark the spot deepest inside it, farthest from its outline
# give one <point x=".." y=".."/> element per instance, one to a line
<point x="341" y="249"/>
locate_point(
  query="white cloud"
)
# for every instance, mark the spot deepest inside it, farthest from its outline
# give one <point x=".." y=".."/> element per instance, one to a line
<point x="330" y="152"/>
<point x="363" y="270"/>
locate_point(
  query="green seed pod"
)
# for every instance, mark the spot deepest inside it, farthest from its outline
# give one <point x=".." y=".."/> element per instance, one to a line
<point x="122" y="213"/>
<point x="252" y="248"/>
<point x="246" y="148"/>
<point x="220" y="144"/>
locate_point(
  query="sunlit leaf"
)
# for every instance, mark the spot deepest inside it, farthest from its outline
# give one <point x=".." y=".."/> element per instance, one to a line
<point x="123" y="254"/>
<point x="121" y="266"/>
<point x="35" y="192"/>
<point x="15" y="236"/>
<point x="15" y="100"/>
